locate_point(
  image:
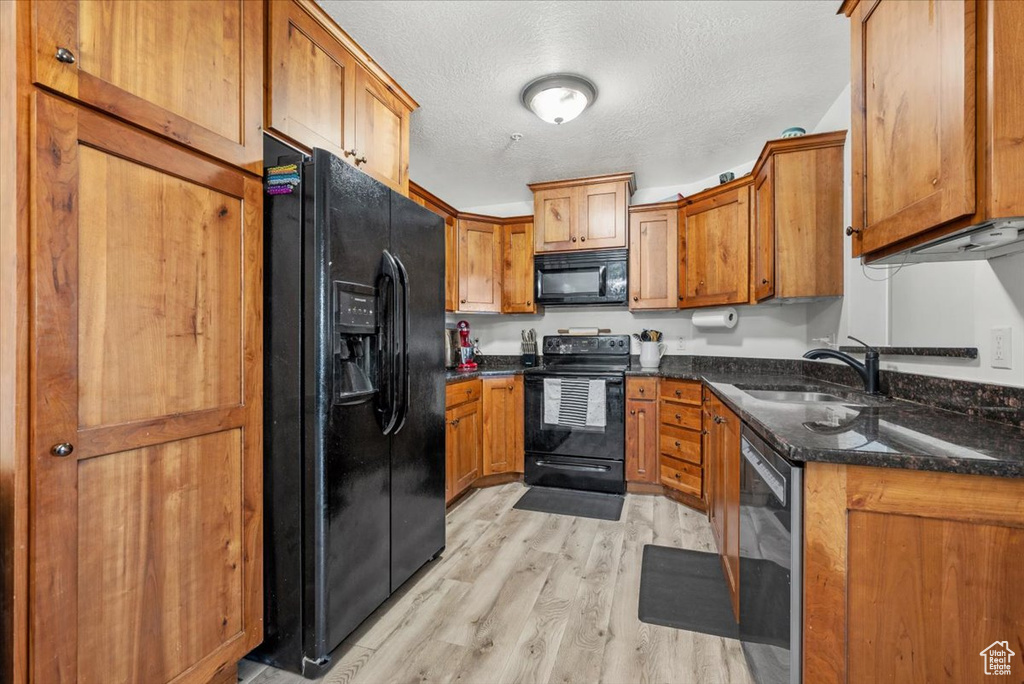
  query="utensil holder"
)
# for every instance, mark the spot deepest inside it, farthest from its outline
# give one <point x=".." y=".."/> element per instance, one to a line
<point x="529" y="359"/>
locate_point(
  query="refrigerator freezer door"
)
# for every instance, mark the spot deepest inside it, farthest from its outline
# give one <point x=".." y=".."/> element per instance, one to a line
<point x="417" y="450"/>
<point x="348" y="512"/>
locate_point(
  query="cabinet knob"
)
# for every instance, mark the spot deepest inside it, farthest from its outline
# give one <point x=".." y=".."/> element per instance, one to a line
<point x="678" y="417"/>
<point x="583" y="239"/>
<point x="703" y="431"/>
<point x="679" y="393"/>
<point x="635" y="298"/>
<point x="678" y="445"/>
<point x="764" y="281"/>
<point x="641" y="390"/>
<point x="469" y="391"/>
<point x="462" y="301"/>
<point x="511" y="387"/>
<point x="62" y="449"/>
<point x="529" y="302"/>
<point x="574" y="239"/>
<point x="850" y="230"/>
<point x="64" y="55"/>
<point x="632" y="412"/>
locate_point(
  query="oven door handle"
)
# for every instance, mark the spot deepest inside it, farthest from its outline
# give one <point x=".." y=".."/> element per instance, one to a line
<point x="609" y="379"/>
<point x="569" y="466"/>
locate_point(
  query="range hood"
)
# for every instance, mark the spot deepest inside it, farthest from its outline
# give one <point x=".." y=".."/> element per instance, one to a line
<point x="986" y="241"/>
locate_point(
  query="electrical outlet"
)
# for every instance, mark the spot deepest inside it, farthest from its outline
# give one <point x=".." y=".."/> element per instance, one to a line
<point x="1002" y="349"/>
<point x="681" y="345"/>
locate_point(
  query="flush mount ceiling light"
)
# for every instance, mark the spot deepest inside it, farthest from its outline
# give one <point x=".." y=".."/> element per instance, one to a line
<point x="558" y="98"/>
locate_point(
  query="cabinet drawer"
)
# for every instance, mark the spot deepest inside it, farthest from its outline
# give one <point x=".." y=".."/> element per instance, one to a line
<point x="679" y="415"/>
<point x="461" y="392"/>
<point x="686" y="391"/>
<point x="681" y="476"/>
<point x="680" y="443"/>
<point x="641" y="388"/>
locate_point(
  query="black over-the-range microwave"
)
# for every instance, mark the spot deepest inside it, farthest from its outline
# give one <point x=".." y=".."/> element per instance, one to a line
<point x="597" y="277"/>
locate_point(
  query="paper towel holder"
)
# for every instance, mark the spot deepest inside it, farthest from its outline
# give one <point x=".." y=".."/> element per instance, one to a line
<point x="710" y="319"/>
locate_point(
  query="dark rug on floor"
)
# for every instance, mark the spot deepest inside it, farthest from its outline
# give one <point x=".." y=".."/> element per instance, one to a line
<point x="572" y="502"/>
<point x="686" y="590"/>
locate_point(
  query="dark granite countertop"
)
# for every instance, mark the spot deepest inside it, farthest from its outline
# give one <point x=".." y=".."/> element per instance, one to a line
<point x="483" y="370"/>
<point x="884" y="432"/>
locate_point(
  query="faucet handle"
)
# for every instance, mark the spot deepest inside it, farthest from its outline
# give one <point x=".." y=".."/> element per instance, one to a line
<point x="867" y="347"/>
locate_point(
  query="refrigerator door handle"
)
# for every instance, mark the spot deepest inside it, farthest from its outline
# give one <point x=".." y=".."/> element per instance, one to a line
<point x="389" y="348"/>
<point x="402" y="349"/>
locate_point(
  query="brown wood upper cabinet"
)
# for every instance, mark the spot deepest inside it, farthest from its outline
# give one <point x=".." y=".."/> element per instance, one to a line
<point x="517" y="274"/>
<point x="480" y="264"/>
<point x="194" y="74"/>
<point x="937" y="119"/>
<point x="503" y="425"/>
<point x="451" y="241"/>
<point x="796" y="245"/>
<point x="714" y="239"/>
<point x="582" y="213"/>
<point x="146" y="432"/>
<point x="653" y="256"/>
<point x="325" y="91"/>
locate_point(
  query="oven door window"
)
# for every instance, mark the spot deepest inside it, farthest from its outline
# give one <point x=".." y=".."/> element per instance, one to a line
<point x="574" y="282"/>
<point x="544" y="437"/>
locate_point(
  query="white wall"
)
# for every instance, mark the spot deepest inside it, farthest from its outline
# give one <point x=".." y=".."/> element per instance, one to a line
<point x="953" y="304"/>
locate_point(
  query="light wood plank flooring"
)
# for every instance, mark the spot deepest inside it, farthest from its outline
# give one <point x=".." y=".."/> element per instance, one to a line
<point x="519" y="596"/>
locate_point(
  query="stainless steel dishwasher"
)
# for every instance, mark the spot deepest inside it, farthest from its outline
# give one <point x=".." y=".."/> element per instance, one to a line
<point x="771" y="562"/>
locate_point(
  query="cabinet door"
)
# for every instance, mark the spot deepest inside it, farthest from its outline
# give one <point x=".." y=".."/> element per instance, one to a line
<point x="517" y="277"/>
<point x="729" y="454"/>
<point x="381" y="132"/>
<point x="602" y="215"/>
<point x="714" y="250"/>
<point x="190" y="70"/>
<point x="311" y="81"/>
<point x="479" y="266"/>
<point x="468" y="437"/>
<point x="641" y="440"/>
<point x="146" y="487"/>
<point x="554" y="220"/>
<point x="503" y="424"/>
<point x="451" y="455"/>
<point x="762" y="251"/>
<point x="914" y="162"/>
<point x="653" y="259"/>
<point x="451" y="264"/>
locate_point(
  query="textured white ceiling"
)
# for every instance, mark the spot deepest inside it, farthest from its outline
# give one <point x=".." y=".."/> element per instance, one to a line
<point x="685" y="89"/>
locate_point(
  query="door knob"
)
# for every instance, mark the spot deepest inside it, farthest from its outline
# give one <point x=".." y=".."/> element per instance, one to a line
<point x="62" y="449"/>
<point x="65" y="55"/>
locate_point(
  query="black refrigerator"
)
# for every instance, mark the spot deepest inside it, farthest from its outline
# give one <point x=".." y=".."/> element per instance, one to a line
<point x="354" y="439"/>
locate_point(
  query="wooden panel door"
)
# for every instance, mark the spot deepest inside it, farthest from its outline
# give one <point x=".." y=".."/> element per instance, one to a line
<point x="146" y="489"/>
<point x="189" y="70"/>
<point x="517" y="276"/>
<point x="714" y="256"/>
<point x="467" y="436"/>
<point x="641" y="440"/>
<point x="602" y="215"/>
<point x="451" y="264"/>
<point x="762" y="248"/>
<point x="503" y="424"/>
<point x="914" y="147"/>
<point x="311" y="83"/>
<point x="381" y="132"/>
<point x="555" y="220"/>
<point x="729" y="455"/>
<point x="653" y="259"/>
<point x="480" y="265"/>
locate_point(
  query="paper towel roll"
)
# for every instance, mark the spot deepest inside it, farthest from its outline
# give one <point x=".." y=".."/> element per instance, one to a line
<point x="715" y="318"/>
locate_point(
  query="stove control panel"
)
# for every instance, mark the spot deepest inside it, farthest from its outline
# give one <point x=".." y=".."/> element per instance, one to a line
<point x="590" y="345"/>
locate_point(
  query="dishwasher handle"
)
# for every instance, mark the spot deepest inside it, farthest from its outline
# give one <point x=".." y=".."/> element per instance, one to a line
<point x="771" y="476"/>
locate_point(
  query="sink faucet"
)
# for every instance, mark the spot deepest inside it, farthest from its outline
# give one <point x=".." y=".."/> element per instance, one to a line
<point x="868" y="370"/>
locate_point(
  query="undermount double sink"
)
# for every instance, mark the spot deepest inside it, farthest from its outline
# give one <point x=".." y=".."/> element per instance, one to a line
<point x="799" y="397"/>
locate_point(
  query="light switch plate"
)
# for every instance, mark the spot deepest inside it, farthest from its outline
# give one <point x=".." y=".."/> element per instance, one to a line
<point x="1002" y="347"/>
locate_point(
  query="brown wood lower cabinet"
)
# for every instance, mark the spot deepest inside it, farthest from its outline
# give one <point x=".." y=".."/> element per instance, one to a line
<point x="503" y="424"/>
<point x="464" y="437"/>
<point x="909" y="576"/>
<point x="642" y="430"/>
<point x="722" y="454"/>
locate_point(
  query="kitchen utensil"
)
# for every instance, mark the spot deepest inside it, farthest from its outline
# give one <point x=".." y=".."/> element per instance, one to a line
<point x="651" y="353"/>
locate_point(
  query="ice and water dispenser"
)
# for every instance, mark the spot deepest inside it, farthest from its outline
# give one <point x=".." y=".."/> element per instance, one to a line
<point x="355" y="340"/>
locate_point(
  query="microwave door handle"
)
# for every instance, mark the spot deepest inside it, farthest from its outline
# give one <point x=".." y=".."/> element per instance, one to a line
<point x="602" y="279"/>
